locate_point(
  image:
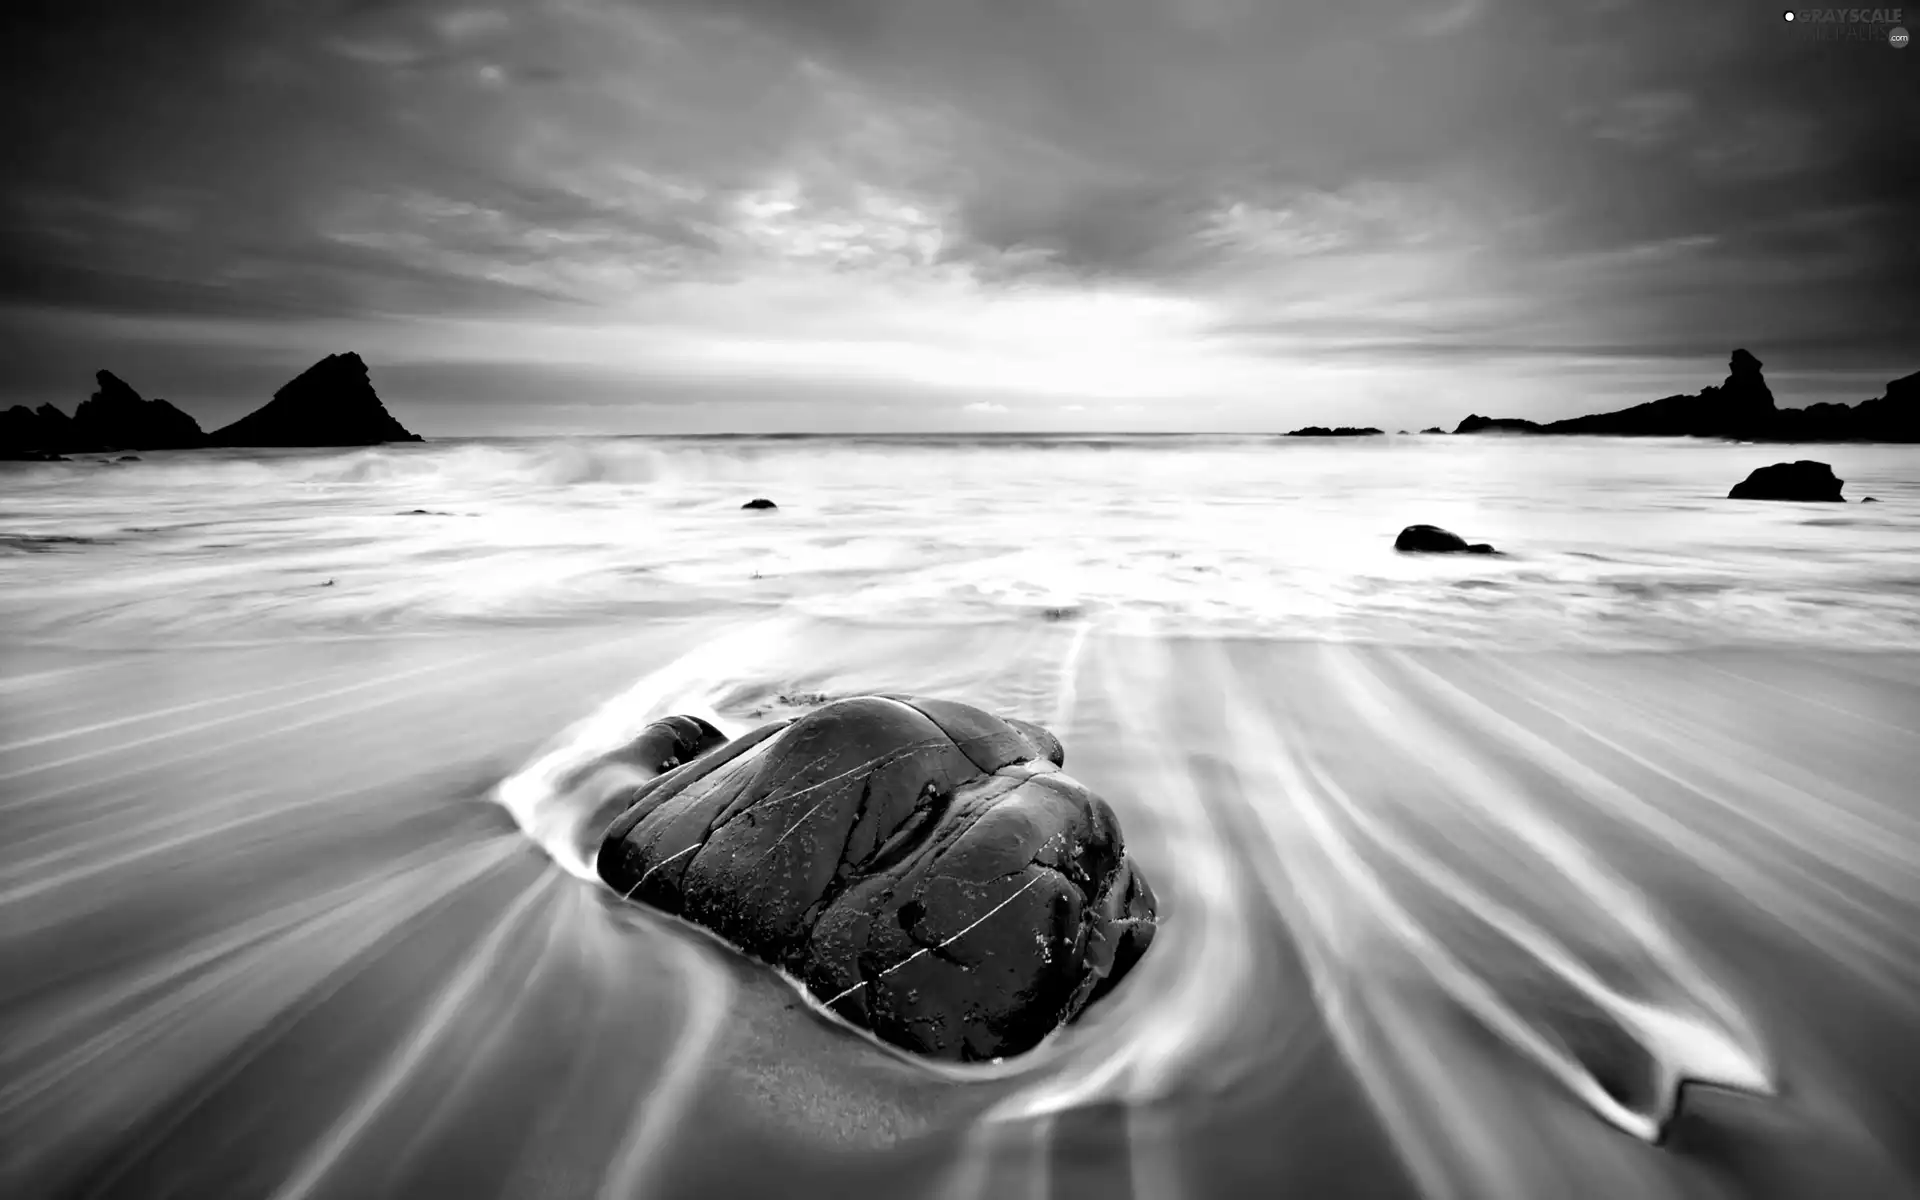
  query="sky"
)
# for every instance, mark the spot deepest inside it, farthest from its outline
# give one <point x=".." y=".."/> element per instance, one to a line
<point x="633" y="216"/>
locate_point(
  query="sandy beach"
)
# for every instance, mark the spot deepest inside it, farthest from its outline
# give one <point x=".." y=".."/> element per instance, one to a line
<point x="1437" y="922"/>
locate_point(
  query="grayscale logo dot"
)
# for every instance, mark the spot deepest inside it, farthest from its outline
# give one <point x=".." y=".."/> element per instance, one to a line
<point x="1898" y="38"/>
<point x="1789" y="16"/>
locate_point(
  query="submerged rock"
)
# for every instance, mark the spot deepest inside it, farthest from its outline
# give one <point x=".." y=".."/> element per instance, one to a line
<point x="1431" y="539"/>
<point x="924" y="868"/>
<point x="760" y="502"/>
<point x="1802" y="480"/>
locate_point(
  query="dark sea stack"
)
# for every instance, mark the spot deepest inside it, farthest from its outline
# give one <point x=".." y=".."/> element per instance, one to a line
<point x="1431" y="539"/>
<point x="1342" y="431"/>
<point x="924" y="868"/>
<point x="760" y="503"/>
<point x="117" y="417"/>
<point x="331" y="403"/>
<point x="1433" y="429"/>
<point x="1803" y="480"/>
<point x="37" y="434"/>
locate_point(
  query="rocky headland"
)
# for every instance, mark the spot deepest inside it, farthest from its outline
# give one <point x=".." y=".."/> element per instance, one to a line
<point x="332" y="403"/>
<point x="1741" y="408"/>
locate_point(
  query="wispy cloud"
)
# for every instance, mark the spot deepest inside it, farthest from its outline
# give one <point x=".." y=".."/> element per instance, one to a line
<point x="1049" y="207"/>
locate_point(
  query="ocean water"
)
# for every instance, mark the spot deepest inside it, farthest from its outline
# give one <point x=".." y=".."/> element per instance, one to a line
<point x="1609" y="543"/>
<point x="1588" y="870"/>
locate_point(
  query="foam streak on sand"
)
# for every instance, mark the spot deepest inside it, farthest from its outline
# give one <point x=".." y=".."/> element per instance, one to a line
<point x="1441" y="919"/>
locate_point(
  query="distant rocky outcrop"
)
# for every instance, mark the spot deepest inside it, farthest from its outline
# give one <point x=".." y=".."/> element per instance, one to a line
<point x="1803" y="480"/>
<point x="38" y="434"/>
<point x="117" y="418"/>
<point x="1431" y="539"/>
<point x="331" y="403"/>
<point x="1342" y="431"/>
<point x="1740" y="407"/>
<point x="760" y="502"/>
<point x="1433" y="429"/>
<point x="1475" y="423"/>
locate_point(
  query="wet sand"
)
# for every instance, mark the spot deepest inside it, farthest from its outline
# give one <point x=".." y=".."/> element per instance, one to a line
<point x="1438" y="923"/>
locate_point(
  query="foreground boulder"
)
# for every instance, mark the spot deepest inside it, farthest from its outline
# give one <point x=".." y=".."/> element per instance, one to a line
<point x="119" y="418"/>
<point x="331" y="403"/>
<point x="1431" y="539"/>
<point x="922" y="867"/>
<point x="1803" y="480"/>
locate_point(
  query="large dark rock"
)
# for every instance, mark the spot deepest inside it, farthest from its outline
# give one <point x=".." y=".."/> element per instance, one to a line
<point x="1433" y="429"/>
<point x="116" y="417"/>
<point x="1431" y="539"/>
<point x="922" y="867"/>
<point x="760" y="502"/>
<point x="331" y="403"/>
<point x="1342" y="431"/>
<point x="35" y="434"/>
<point x="1803" y="480"/>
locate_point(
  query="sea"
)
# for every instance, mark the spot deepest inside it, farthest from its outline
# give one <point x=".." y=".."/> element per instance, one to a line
<point x="1587" y="869"/>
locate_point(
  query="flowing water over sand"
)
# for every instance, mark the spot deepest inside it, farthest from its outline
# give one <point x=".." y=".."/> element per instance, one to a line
<point x="291" y="907"/>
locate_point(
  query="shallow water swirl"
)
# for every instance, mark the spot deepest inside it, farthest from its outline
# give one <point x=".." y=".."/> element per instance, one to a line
<point x="312" y="920"/>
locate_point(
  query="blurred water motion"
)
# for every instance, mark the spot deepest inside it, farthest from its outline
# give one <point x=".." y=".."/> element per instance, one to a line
<point x="1452" y="923"/>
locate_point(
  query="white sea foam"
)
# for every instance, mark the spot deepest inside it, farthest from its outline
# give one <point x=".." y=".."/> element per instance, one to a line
<point x="1608" y="544"/>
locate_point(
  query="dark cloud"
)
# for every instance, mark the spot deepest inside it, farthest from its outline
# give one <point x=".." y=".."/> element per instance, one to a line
<point x="1448" y="178"/>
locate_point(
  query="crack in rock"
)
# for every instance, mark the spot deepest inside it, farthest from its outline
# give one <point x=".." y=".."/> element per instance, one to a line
<point x="877" y="829"/>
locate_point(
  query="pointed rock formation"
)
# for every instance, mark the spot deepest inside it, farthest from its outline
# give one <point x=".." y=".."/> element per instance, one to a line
<point x="117" y="418"/>
<point x="332" y="403"/>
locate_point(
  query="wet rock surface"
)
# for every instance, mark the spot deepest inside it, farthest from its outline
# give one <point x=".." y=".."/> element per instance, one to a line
<point x="1431" y="539"/>
<point x="1803" y="480"/>
<point x="924" y="868"/>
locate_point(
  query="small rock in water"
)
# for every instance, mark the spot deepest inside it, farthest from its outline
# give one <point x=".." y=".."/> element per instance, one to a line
<point x="760" y="502"/>
<point x="128" y="458"/>
<point x="1802" y="480"/>
<point x="1431" y="539"/>
<point x="922" y="867"/>
<point x="1868" y="500"/>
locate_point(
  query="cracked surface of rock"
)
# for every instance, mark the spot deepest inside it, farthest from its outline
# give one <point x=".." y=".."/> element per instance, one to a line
<point x="924" y="868"/>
